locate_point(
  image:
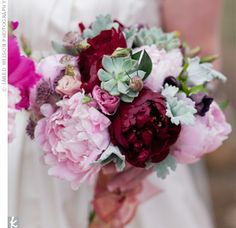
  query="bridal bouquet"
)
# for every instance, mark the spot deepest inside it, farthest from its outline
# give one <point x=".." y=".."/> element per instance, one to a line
<point x="129" y="96"/>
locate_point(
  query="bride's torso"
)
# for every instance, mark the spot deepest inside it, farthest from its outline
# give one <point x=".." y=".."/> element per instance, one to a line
<point x="43" y="21"/>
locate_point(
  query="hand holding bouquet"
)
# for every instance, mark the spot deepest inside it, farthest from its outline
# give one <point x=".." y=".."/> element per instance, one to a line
<point x="121" y="95"/>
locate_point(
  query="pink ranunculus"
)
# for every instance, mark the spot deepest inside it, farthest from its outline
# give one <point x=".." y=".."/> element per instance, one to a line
<point x="72" y="138"/>
<point x="21" y="72"/>
<point x="68" y="85"/>
<point x="164" y="64"/>
<point x="205" y="136"/>
<point x="107" y="103"/>
<point x="13" y="98"/>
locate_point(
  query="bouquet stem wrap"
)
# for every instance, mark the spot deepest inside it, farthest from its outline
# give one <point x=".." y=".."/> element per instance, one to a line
<point x="116" y="209"/>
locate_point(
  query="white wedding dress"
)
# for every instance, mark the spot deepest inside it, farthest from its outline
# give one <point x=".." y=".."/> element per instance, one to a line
<point x="41" y="201"/>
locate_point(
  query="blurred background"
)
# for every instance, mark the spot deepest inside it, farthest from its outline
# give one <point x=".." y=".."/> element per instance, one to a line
<point x="222" y="164"/>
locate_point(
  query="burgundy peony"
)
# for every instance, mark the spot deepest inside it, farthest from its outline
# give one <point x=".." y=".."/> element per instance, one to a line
<point x="90" y="59"/>
<point x="142" y="130"/>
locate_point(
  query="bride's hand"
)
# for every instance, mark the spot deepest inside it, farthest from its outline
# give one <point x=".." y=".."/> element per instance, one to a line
<point x="127" y="180"/>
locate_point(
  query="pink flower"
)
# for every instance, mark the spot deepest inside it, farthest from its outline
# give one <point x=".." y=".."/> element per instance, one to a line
<point x="164" y="64"/>
<point x="73" y="137"/>
<point x="13" y="98"/>
<point x="52" y="69"/>
<point x="107" y="103"/>
<point x="21" y="72"/>
<point x="68" y="85"/>
<point x="53" y="66"/>
<point x="205" y="136"/>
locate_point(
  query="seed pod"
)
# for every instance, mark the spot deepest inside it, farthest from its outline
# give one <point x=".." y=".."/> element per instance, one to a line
<point x="136" y="83"/>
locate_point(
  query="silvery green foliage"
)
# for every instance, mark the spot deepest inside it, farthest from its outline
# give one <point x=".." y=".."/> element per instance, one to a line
<point x="60" y="48"/>
<point x="112" y="154"/>
<point x="155" y="36"/>
<point x="116" y="75"/>
<point x="130" y="34"/>
<point x="101" y="23"/>
<point x="163" y="168"/>
<point x="180" y="109"/>
<point x="200" y="73"/>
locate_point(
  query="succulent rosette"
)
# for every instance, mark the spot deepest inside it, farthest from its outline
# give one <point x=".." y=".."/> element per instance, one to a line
<point x="124" y="95"/>
<point x="90" y="59"/>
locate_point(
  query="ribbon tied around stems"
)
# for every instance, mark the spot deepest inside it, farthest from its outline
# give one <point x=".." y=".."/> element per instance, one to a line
<point x="116" y="209"/>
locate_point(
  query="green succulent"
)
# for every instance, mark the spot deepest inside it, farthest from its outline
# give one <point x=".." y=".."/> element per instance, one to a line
<point x="101" y="23"/>
<point x="130" y="34"/>
<point x="146" y="36"/>
<point x="116" y="75"/>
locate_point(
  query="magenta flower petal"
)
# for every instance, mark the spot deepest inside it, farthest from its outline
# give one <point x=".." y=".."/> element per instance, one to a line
<point x="21" y="72"/>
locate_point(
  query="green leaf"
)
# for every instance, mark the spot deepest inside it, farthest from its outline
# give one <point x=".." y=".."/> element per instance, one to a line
<point x="86" y="99"/>
<point x="197" y="89"/>
<point x="100" y="24"/>
<point x="107" y="63"/>
<point x="180" y="111"/>
<point x="163" y="168"/>
<point x="121" y="52"/>
<point x="131" y="94"/>
<point x="92" y="216"/>
<point x="185" y="67"/>
<point x="103" y="75"/>
<point x="122" y="87"/>
<point x="145" y="62"/>
<point x="130" y="34"/>
<point x="128" y="65"/>
<point x="112" y="154"/>
<point x="184" y="88"/>
<point x="223" y="105"/>
<point x="208" y="59"/>
<point x="114" y="91"/>
<point x="126" y="98"/>
<point x="108" y="85"/>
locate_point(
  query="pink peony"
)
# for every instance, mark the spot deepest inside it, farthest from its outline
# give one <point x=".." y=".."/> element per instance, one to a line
<point x="164" y="64"/>
<point x="73" y="137"/>
<point x="13" y="98"/>
<point x="106" y="102"/>
<point x="204" y="137"/>
<point x="21" y="72"/>
<point x="68" y="85"/>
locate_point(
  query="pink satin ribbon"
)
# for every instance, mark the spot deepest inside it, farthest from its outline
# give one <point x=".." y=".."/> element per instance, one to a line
<point x="116" y="209"/>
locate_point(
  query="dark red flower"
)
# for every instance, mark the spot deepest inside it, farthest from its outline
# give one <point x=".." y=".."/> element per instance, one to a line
<point x="142" y="130"/>
<point x="202" y="102"/>
<point x="90" y="59"/>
